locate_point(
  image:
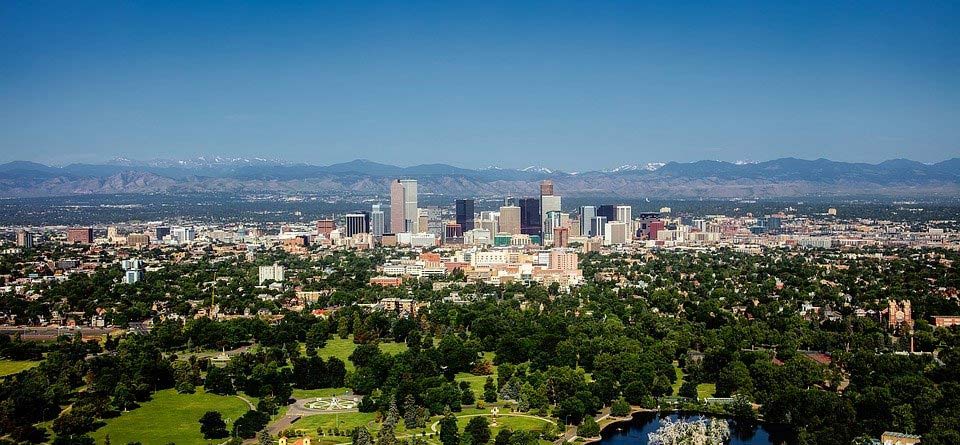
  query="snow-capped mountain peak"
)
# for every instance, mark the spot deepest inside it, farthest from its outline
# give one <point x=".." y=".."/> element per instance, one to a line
<point x="649" y="166"/>
<point x="537" y="169"/>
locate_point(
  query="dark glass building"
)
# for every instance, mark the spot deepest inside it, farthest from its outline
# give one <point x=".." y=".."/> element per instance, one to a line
<point x="465" y="214"/>
<point x="607" y="211"/>
<point x="530" y="221"/>
<point x="358" y="223"/>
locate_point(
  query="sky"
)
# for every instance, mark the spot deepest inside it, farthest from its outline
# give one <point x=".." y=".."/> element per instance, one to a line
<point x="567" y="85"/>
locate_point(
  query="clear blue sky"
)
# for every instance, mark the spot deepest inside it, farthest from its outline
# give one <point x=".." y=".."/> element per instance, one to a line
<point x="566" y="85"/>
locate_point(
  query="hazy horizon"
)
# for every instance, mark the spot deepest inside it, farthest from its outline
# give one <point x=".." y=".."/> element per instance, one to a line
<point x="570" y="86"/>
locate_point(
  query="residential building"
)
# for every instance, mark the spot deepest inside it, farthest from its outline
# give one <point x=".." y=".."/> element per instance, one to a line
<point x="25" y="239"/>
<point x="82" y="235"/>
<point x="274" y="273"/>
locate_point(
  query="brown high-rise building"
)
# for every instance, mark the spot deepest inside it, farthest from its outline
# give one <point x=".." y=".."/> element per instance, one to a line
<point x="510" y="220"/>
<point x="325" y="226"/>
<point x="82" y="235"/>
<point x="25" y="239"/>
<point x="138" y="239"/>
<point x="546" y="188"/>
<point x="561" y="237"/>
<point x="404" y="216"/>
<point x="396" y="207"/>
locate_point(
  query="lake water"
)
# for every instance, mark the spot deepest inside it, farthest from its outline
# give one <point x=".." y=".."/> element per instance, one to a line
<point x="635" y="432"/>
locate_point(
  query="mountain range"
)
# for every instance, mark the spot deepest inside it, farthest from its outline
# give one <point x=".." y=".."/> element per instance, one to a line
<point x="785" y="177"/>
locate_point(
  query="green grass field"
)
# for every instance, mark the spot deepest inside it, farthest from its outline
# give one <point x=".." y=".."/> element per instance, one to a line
<point x="348" y="421"/>
<point x="170" y="417"/>
<point x="477" y="381"/>
<point x="341" y="348"/>
<point x="515" y="423"/>
<point x="705" y="390"/>
<point x="679" y="381"/>
<point x="10" y="367"/>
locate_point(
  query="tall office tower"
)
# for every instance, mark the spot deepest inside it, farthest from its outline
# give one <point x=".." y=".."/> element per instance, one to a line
<point x="624" y="214"/>
<point x="616" y="233"/>
<point x="83" y="235"/>
<point x="357" y="223"/>
<point x="553" y="220"/>
<point x="160" y="232"/>
<point x="434" y="221"/>
<point x="25" y="239"/>
<point x="325" y="227"/>
<point x="510" y="220"/>
<point x="607" y="211"/>
<point x="465" y="214"/>
<point x="598" y="226"/>
<point x="376" y="220"/>
<point x="546" y="188"/>
<point x="587" y="213"/>
<point x="397" y="219"/>
<point x="575" y="226"/>
<point x="403" y="206"/>
<point x="489" y="224"/>
<point x="530" y="221"/>
<point x="183" y="234"/>
<point x="548" y="203"/>
<point x="410" y="204"/>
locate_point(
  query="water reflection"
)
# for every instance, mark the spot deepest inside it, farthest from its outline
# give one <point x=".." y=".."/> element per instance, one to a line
<point x="635" y="432"/>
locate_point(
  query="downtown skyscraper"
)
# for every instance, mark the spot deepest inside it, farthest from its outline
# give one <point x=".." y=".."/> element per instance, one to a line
<point x="465" y="215"/>
<point x="403" y="206"/>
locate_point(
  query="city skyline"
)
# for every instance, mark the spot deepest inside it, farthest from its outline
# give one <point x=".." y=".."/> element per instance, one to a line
<point x="583" y="86"/>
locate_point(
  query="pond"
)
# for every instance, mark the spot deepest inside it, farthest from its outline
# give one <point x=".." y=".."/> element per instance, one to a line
<point x="635" y="431"/>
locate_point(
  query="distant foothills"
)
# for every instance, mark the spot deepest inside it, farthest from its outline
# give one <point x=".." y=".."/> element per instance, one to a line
<point x="786" y="177"/>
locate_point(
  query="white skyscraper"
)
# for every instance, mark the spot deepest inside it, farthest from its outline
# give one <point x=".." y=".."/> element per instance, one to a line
<point x="377" y="220"/>
<point x="624" y="214"/>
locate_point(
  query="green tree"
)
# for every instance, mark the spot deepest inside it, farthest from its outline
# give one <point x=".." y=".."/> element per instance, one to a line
<point x="589" y="428"/>
<point x="489" y="391"/>
<point x="620" y="408"/>
<point x="479" y="430"/>
<point x="212" y="425"/>
<point x="449" y="432"/>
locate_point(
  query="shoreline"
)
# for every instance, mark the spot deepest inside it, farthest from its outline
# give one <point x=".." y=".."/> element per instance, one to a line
<point x="617" y="421"/>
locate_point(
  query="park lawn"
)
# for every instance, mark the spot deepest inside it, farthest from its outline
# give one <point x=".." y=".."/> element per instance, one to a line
<point x="514" y="423"/>
<point x="477" y="381"/>
<point x="679" y="381"/>
<point x="341" y="348"/>
<point x="705" y="390"/>
<point x="170" y="418"/>
<point x="348" y="421"/>
<point x="10" y="367"/>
